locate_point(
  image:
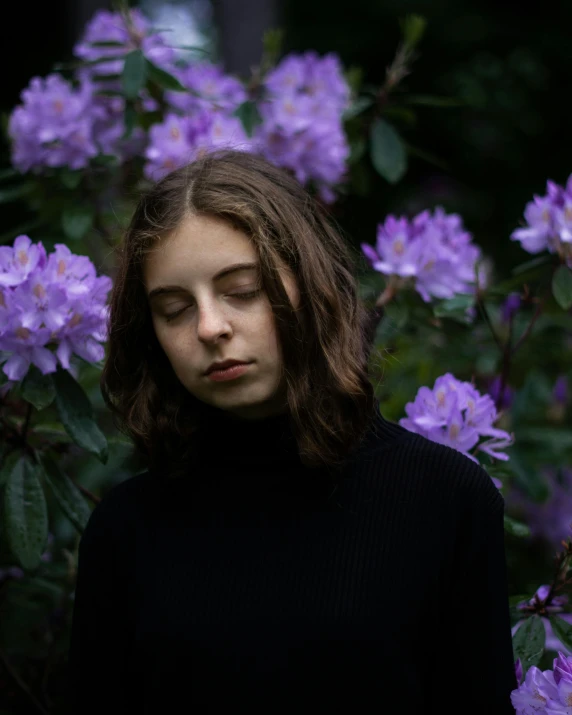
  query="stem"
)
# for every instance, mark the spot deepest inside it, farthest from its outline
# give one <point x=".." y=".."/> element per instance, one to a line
<point x="87" y="493"/>
<point x="488" y="321"/>
<point x="377" y="312"/>
<point x="526" y="332"/>
<point x="506" y="363"/>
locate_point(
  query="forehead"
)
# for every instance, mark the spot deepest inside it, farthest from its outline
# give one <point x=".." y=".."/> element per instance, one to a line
<point x="200" y="245"/>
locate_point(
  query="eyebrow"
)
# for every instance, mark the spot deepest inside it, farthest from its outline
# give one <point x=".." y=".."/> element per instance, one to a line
<point x="233" y="268"/>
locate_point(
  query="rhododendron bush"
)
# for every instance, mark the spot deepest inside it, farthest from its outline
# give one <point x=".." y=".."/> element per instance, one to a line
<point x="465" y="357"/>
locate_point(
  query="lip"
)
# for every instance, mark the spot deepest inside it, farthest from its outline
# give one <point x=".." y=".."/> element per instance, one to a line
<point x="225" y="364"/>
<point x="229" y="373"/>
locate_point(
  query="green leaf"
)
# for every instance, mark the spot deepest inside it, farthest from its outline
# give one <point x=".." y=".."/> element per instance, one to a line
<point x="413" y="28"/>
<point x="66" y="493"/>
<point x="387" y="151"/>
<point x="77" y="221"/>
<point x="26" y="514"/>
<point x="455" y="308"/>
<point x="7" y="174"/>
<point x="357" y="107"/>
<point x="134" y="74"/>
<point x="428" y="100"/>
<point x="53" y="431"/>
<point x="8" y="465"/>
<point x="130" y="119"/>
<point x="71" y="179"/>
<point x="562" y="630"/>
<point x="357" y="150"/>
<point x="394" y="320"/>
<point x="555" y="438"/>
<point x="191" y="48"/>
<point x="249" y="115"/>
<point x="76" y="414"/>
<point x="562" y="287"/>
<point x="401" y="115"/>
<point x="15" y="192"/>
<point x="534" y="263"/>
<point x="528" y="642"/>
<point x="107" y="43"/>
<point x="99" y="60"/>
<point x="106" y="77"/>
<point x="427" y="156"/>
<point x="38" y="389"/>
<point x="162" y="78"/>
<point x="516" y="528"/>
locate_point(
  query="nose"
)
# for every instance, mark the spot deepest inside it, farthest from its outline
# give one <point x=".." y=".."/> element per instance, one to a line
<point x="212" y="323"/>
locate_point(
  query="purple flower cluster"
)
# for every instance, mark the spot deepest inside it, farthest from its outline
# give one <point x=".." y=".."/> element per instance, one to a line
<point x="180" y="140"/>
<point x="546" y="692"/>
<point x="434" y="250"/>
<point x="302" y="127"/>
<point x="210" y="90"/>
<point x="130" y="32"/>
<point x="454" y="413"/>
<point x="58" y="124"/>
<point x="549" y="222"/>
<point x="55" y="301"/>
<point x="54" y="126"/>
<point x="551" y="520"/>
<point x="556" y="605"/>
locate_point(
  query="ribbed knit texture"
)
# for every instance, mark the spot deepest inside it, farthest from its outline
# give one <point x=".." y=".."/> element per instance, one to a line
<point x="257" y="584"/>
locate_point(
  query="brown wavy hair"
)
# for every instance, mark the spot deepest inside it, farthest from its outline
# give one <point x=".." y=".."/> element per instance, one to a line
<point x="325" y="348"/>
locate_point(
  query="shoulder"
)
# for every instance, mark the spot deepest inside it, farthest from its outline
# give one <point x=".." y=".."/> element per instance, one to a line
<point x="119" y="507"/>
<point x="436" y="471"/>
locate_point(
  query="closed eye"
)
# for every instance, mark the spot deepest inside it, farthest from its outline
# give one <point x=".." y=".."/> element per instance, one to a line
<point x="240" y="296"/>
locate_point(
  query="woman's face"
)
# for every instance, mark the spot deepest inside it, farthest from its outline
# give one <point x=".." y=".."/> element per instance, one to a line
<point x="202" y="318"/>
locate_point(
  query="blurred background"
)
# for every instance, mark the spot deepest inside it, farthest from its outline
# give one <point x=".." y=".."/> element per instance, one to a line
<point x="484" y="160"/>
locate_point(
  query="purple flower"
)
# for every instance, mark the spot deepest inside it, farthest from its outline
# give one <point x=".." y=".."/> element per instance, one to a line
<point x="109" y="127"/>
<point x="562" y="669"/>
<point x="302" y="127"/>
<point x="211" y="90"/>
<point x="510" y="307"/>
<point x="548" y="222"/>
<point x="503" y="401"/>
<point x="454" y="413"/>
<point x="54" y="125"/>
<point x="548" y="692"/>
<point x="49" y="301"/>
<point x="311" y="75"/>
<point x="518" y="670"/>
<point x="12" y="572"/>
<point x="180" y="140"/>
<point x="132" y="32"/>
<point x="434" y="250"/>
<point x="530" y="697"/>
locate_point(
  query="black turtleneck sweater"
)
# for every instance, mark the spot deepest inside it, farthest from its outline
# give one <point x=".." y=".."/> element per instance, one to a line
<point x="261" y="585"/>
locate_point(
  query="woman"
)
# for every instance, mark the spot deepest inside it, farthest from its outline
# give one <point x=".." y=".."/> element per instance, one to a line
<point x="287" y="549"/>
